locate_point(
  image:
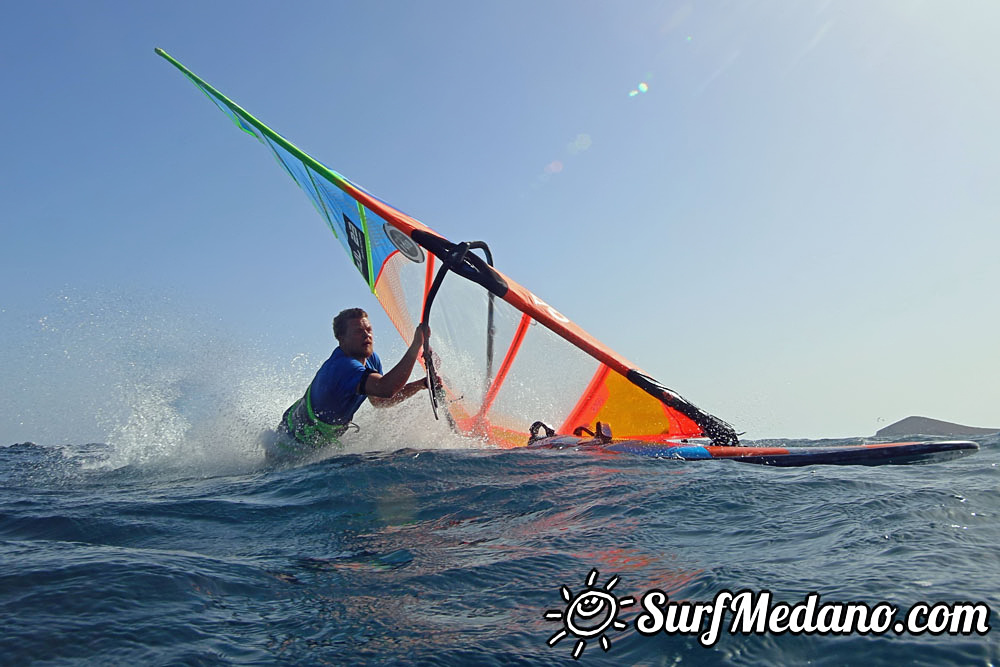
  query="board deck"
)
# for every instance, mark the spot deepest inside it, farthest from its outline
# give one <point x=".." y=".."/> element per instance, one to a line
<point x="859" y="454"/>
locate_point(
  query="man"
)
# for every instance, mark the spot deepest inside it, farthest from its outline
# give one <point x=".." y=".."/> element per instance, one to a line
<point x="352" y="373"/>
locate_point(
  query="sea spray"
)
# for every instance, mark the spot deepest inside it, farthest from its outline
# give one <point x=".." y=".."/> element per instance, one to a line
<point x="161" y="383"/>
<point x="149" y="375"/>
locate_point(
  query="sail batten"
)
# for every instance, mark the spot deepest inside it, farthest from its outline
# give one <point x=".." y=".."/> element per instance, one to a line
<point x="552" y="370"/>
<point x="501" y="375"/>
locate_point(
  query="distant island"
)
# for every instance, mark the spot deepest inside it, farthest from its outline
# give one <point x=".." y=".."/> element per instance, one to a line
<point x="926" y="426"/>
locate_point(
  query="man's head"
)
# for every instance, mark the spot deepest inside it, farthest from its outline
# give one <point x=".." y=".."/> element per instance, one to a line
<point x="353" y="331"/>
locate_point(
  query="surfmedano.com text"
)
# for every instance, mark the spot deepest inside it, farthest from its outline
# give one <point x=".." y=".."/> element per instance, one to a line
<point x="752" y="612"/>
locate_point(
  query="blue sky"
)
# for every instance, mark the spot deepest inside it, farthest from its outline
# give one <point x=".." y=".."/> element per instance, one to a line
<point x="795" y="225"/>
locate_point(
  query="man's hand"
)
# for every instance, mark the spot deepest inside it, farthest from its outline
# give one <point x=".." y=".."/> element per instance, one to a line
<point x="393" y="385"/>
<point x="420" y="334"/>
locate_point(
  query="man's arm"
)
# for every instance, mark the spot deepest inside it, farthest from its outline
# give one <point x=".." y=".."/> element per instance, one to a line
<point x="394" y="382"/>
<point x="409" y="389"/>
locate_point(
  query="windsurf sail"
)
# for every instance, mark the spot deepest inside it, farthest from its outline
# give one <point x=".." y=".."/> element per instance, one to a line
<point x="505" y="358"/>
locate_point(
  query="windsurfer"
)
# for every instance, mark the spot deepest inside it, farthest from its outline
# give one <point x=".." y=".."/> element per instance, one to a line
<point x="352" y="373"/>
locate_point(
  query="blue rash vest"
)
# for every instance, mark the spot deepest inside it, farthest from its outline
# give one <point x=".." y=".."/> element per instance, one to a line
<point x="336" y="389"/>
<point x="331" y="400"/>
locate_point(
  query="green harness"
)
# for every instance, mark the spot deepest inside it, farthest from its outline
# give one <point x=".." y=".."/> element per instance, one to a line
<point x="302" y="424"/>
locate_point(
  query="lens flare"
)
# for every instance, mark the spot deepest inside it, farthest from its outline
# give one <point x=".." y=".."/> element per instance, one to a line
<point x="579" y="145"/>
<point x="643" y="87"/>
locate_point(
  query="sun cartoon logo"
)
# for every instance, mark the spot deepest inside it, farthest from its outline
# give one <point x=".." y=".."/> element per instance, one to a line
<point x="588" y="614"/>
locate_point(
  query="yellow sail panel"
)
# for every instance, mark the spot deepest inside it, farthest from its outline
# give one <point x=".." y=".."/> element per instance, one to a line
<point x="632" y="413"/>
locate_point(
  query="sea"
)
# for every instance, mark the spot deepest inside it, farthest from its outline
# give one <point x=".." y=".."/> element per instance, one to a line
<point x="461" y="555"/>
<point x="173" y="541"/>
